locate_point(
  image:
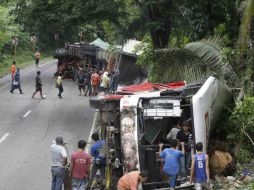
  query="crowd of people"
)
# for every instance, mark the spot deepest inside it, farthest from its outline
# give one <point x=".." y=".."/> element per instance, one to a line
<point x="83" y="171"/>
<point x="84" y="166"/>
<point x="91" y="82"/>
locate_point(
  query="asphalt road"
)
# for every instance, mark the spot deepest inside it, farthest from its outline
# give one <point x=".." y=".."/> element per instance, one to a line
<point x="28" y="126"/>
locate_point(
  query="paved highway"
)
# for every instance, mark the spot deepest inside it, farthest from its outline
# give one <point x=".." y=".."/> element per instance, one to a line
<point x="28" y="126"/>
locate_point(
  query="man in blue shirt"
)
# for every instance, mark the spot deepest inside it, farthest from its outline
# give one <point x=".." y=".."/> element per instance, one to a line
<point x="199" y="167"/>
<point x="172" y="161"/>
<point x="99" y="159"/>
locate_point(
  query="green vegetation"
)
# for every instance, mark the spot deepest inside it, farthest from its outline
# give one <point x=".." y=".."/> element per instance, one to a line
<point x="24" y="52"/>
<point x="22" y="60"/>
<point x="241" y="128"/>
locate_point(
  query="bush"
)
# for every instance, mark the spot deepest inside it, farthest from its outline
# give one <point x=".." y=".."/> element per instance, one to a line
<point x="242" y="127"/>
<point x="244" y="156"/>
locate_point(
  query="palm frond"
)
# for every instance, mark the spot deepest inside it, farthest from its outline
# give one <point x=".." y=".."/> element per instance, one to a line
<point x="196" y="61"/>
<point x="179" y="64"/>
<point x="209" y="50"/>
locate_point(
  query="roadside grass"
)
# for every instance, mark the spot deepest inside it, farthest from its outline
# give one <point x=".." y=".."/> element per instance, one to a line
<point x="23" y="60"/>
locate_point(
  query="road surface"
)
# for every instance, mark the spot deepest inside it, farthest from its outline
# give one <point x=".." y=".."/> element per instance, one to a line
<point x="28" y="126"/>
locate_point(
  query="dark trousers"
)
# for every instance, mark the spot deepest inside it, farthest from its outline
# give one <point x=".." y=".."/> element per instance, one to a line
<point x="93" y="171"/>
<point x="88" y="89"/>
<point x="60" y="88"/>
<point x="13" y="87"/>
<point x="58" y="175"/>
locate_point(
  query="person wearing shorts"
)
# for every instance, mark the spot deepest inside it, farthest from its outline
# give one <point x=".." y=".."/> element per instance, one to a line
<point x="199" y="167"/>
<point x="38" y="85"/>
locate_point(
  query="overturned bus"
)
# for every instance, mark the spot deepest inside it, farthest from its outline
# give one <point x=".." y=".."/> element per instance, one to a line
<point x="135" y="120"/>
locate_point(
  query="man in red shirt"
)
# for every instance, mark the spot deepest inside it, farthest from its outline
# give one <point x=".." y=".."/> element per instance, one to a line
<point x="80" y="164"/>
<point x="95" y="81"/>
<point x="130" y="181"/>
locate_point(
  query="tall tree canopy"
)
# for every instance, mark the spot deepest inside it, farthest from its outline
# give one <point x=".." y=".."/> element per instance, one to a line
<point x="120" y="19"/>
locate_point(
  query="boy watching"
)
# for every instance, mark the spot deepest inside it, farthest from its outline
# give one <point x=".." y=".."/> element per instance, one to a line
<point x="199" y="167"/>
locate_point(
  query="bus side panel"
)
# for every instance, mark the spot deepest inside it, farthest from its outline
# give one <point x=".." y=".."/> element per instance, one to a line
<point x="207" y="104"/>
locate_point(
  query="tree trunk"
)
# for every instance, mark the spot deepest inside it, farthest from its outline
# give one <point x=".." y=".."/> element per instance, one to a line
<point x="252" y="56"/>
<point x="160" y="35"/>
<point x="210" y="26"/>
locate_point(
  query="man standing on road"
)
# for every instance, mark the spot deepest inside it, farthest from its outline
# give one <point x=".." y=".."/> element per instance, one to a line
<point x="105" y="82"/>
<point x="38" y="85"/>
<point x="81" y="81"/>
<point x="37" y="56"/>
<point x="16" y="82"/>
<point x="130" y="181"/>
<point x="59" y="85"/>
<point x="88" y="82"/>
<point x="13" y="70"/>
<point x="99" y="159"/>
<point x="59" y="161"/>
<point x="80" y="164"/>
<point x="95" y="81"/>
<point x="171" y="165"/>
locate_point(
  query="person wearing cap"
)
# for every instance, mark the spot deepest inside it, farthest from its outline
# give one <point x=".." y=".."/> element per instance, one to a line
<point x="38" y="85"/>
<point x="130" y="181"/>
<point x="59" y="161"/>
<point x="80" y="164"/>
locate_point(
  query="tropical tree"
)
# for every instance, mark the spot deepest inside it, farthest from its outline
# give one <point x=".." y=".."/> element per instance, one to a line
<point x="246" y="44"/>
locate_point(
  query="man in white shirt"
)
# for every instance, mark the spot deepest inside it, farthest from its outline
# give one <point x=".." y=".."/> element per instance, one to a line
<point x="59" y="161"/>
<point x="105" y="82"/>
<point x="59" y="84"/>
<point x="173" y="132"/>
